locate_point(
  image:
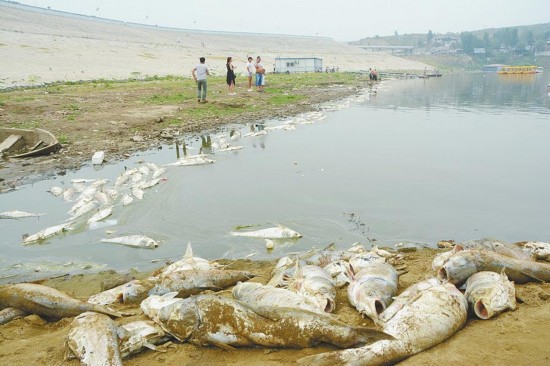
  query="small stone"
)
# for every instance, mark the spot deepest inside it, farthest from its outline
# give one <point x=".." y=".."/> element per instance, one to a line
<point x="35" y="319"/>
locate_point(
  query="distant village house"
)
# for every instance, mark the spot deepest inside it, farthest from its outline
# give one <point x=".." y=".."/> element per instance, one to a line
<point x="298" y="64"/>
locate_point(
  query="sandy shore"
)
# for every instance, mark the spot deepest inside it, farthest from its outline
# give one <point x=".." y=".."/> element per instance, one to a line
<point x="45" y="46"/>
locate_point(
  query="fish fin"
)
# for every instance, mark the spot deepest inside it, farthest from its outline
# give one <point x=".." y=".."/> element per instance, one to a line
<point x="188" y="251"/>
<point x="222" y="345"/>
<point x="151" y="346"/>
<point x="170" y="295"/>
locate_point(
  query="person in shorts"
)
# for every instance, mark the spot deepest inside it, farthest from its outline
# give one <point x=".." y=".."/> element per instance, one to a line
<point x="260" y="74"/>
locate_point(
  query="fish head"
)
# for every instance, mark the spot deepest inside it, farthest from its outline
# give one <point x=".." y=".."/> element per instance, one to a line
<point x="456" y="269"/>
<point x="289" y="233"/>
<point x="493" y="300"/>
<point x="241" y="289"/>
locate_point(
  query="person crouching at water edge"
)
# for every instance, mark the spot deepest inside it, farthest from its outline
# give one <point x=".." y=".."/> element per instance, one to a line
<point x="199" y="74"/>
<point x="260" y="74"/>
<point x="230" y="76"/>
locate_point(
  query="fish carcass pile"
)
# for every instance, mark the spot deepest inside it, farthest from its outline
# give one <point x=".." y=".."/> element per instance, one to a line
<point x="199" y="301"/>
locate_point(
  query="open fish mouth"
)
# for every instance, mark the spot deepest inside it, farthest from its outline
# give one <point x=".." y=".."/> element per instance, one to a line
<point x="481" y="311"/>
<point x="442" y="274"/>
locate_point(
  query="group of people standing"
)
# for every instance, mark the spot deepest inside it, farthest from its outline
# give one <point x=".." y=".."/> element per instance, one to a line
<point x="201" y="71"/>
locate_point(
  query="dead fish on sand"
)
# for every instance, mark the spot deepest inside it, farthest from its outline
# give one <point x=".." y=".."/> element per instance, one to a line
<point x="373" y="289"/>
<point x="189" y="262"/>
<point x="420" y="322"/>
<point x="138" y="241"/>
<point x="9" y="314"/>
<point x="465" y="263"/>
<point x="541" y="250"/>
<point x="139" y="334"/>
<point x="93" y="339"/>
<point x="490" y="293"/>
<point x="130" y="292"/>
<point x="278" y="232"/>
<point x="18" y="214"/>
<point x="226" y="323"/>
<point x="191" y="282"/>
<point x="46" y="301"/>
<point x="315" y="283"/>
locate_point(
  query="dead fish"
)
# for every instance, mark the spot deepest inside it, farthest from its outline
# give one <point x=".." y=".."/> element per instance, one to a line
<point x="226" y="323"/>
<point x="189" y="262"/>
<point x="541" y="250"/>
<point x="9" y="314"/>
<point x="192" y="160"/>
<point x="139" y="334"/>
<point x="138" y="241"/>
<point x="364" y="259"/>
<point x="230" y="148"/>
<point x="340" y="271"/>
<point x="490" y="293"/>
<point x="46" y="301"/>
<point x="130" y="292"/>
<point x="252" y="292"/>
<point x="126" y="199"/>
<point x="465" y="263"/>
<point x="422" y="321"/>
<point x="93" y="339"/>
<point x="150" y="183"/>
<point x="56" y="191"/>
<point x="316" y="283"/>
<point x="373" y="289"/>
<point x="48" y="232"/>
<point x="255" y="133"/>
<point x="278" y="232"/>
<point x="103" y="213"/>
<point x="137" y="192"/>
<point x="18" y="214"/>
<point x="191" y="282"/>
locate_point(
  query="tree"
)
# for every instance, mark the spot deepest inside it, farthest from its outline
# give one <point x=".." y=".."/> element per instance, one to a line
<point x="395" y="33"/>
<point x="429" y="37"/>
<point x="469" y="42"/>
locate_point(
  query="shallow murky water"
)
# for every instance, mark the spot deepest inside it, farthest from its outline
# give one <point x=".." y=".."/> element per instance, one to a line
<point x="459" y="157"/>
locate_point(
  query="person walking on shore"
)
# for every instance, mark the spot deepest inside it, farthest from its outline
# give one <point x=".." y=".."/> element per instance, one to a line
<point x="260" y="74"/>
<point x="249" y="72"/>
<point x="230" y="76"/>
<point x="199" y="74"/>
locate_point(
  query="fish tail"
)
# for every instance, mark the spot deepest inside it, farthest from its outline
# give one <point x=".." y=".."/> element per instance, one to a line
<point x="107" y="311"/>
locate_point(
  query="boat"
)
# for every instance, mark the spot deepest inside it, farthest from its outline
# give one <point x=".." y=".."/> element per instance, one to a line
<point x="21" y="143"/>
<point x="530" y="69"/>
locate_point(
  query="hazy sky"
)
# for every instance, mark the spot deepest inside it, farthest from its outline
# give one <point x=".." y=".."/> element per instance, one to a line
<point x="343" y="20"/>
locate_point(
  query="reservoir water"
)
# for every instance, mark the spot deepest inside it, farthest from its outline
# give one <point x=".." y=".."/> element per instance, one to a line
<point x="464" y="156"/>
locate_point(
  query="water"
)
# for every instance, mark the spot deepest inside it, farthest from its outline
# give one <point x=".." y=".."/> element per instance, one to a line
<point x="460" y="157"/>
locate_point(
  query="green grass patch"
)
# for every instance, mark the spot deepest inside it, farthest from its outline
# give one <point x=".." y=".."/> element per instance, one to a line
<point x="283" y="99"/>
<point x="176" y="98"/>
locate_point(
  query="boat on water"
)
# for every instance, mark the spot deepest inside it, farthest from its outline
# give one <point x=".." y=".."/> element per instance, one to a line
<point x="21" y="143"/>
<point x="529" y="69"/>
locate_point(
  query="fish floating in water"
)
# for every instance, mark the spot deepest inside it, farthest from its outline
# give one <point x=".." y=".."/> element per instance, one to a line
<point x="278" y="232"/>
<point x="18" y="214"/>
<point x="192" y="160"/>
<point x="490" y="293"/>
<point x="46" y="301"/>
<point x="48" y="232"/>
<point x="93" y="339"/>
<point x="136" y="241"/>
<point x="213" y="320"/>
<point x="418" y="319"/>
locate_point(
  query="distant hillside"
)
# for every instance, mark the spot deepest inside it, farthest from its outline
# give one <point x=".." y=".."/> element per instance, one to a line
<point x="510" y="45"/>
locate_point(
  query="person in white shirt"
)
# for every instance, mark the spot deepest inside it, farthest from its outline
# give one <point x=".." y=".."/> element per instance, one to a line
<point x="249" y="72"/>
<point x="199" y="74"/>
<point x="260" y="74"/>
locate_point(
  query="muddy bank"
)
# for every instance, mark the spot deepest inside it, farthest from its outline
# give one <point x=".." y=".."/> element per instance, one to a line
<point x="518" y="337"/>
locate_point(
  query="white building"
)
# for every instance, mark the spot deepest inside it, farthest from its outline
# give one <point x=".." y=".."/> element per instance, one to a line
<point x="298" y="64"/>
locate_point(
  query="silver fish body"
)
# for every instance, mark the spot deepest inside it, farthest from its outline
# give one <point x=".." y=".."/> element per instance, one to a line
<point x="465" y="263"/>
<point x="191" y="282"/>
<point x="278" y="232"/>
<point x="431" y="316"/>
<point x="9" y="314"/>
<point x="189" y="262"/>
<point x="101" y="214"/>
<point x="93" y="339"/>
<point x="314" y="282"/>
<point x="373" y="289"/>
<point x="490" y="293"/>
<point x="131" y="292"/>
<point x="46" y="301"/>
<point x="138" y="241"/>
<point x="18" y="214"/>
<point x="252" y="292"/>
<point x="48" y="232"/>
<point x="541" y="250"/>
<point x="223" y="322"/>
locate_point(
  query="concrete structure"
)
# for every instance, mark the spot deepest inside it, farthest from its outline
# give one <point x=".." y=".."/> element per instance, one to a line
<point x="396" y="50"/>
<point x="298" y="64"/>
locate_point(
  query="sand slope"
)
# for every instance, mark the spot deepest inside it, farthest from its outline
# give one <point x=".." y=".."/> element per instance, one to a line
<point x="39" y="46"/>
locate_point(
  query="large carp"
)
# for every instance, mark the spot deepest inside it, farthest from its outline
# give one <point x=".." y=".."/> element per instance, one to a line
<point x="192" y="282"/>
<point x="426" y="316"/>
<point x="213" y="320"/>
<point x="461" y="265"/>
<point x="130" y="292"/>
<point x="93" y="339"/>
<point x="316" y="283"/>
<point x="46" y="301"/>
<point x="189" y="262"/>
<point x="373" y="289"/>
<point x="490" y="293"/>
